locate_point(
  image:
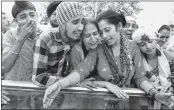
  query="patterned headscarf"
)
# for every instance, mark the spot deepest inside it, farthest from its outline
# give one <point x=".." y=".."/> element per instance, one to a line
<point x="67" y="10"/>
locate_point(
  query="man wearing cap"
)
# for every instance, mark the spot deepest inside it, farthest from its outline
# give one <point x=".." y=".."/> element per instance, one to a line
<point x="131" y="27"/>
<point x="18" y="43"/>
<point x="17" y="54"/>
<point x="51" y="49"/>
<point x="51" y="13"/>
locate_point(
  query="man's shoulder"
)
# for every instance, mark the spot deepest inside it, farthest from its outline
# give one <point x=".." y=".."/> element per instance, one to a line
<point x="11" y="34"/>
<point x="50" y="34"/>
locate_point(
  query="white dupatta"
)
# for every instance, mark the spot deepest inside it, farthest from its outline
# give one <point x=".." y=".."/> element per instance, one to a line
<point x="163" y="67"/>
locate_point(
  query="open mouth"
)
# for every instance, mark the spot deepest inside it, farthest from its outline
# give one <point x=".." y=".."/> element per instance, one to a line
<point x="129" y="34"/>
<point x="109" y="40"/>
<point x="94" y="43"/>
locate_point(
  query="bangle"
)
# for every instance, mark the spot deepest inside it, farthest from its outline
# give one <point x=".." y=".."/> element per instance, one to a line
<point x="60" y="85"/>
<point x="14" y="53"/>
<point x="69" y="81"/>
<point x="78" y="84"/>
<point x="153" y="92"/>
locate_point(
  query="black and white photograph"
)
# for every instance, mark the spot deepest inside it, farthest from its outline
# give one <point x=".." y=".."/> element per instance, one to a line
<point x="79" y="54"/>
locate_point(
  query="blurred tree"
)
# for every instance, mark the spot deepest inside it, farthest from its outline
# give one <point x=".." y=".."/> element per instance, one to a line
<point x="130" y="8"/>
<point x="42" y="16"/>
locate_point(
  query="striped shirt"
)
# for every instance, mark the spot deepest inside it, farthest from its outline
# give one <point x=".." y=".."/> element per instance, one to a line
<point x="49" y="57"/>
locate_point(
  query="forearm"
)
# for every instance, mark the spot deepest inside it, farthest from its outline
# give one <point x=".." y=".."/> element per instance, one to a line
<point x="101" y="83"/>
<point x="10" y="58"/>
<point x="146" y="86"/>
<point x="71" y="79"/>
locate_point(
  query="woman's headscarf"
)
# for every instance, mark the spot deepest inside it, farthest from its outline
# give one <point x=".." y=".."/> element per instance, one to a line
<point x="137" y="35"/>
<point x="163" y="65"/>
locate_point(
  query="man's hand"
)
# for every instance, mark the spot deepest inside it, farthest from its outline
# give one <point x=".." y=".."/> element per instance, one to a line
<point x="165" y="98"/>
<point x="26" y="30"/>
<point x="4" y="99"/>
<point x="50" y="94"/>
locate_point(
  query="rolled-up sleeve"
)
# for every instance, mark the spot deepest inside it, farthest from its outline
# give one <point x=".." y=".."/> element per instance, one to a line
<point x="138" y="77"/>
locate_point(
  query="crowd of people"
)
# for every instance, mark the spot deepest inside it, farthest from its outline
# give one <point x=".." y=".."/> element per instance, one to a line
<point x="108" y="51"/>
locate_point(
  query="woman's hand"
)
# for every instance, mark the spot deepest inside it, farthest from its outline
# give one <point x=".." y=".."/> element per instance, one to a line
<point x="4" y="99"/>
<point x="50" y="94"/>
<point x="117" y="91"/>
<point x="165" y="98"/>
<point x="87" y="83"/>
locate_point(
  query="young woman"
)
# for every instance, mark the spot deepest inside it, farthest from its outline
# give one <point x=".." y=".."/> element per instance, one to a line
<point x="155" y="62"/>
<point x="119" y="63"/>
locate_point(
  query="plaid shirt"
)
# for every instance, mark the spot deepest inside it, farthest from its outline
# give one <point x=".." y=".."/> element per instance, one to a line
<point x="49" y="57"/>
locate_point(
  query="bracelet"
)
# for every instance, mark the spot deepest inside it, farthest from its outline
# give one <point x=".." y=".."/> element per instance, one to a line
<point x="60" y="85"/>
<point x="69" y="81"/>
<point x="153" y="92"/>
<point x="14" y="53"/>
<point x="78" y="84"/>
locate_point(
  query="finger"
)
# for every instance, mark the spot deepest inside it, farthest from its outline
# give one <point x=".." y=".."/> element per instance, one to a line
<point x="47" y="102"/>
<point x="33" y="24"/>
<point x="31" y="27"/>
<point x="5" y="93"/>
<point x="117" y="94"/>
<point x="92" y="85"/>
<point x="168" y="94"/>
<point x="4" y="101"/>
<point x="26" y="25"/>
<point x="46" y="96"/>
<point x="50" y="102"/>
<point x="88" y="87"/>
<point x="126" y="95"/>
<point x="91" y="79"/>
<point x="5" y="98"/>
<point x="123" y="94"/>
<point x="45" y="106"/>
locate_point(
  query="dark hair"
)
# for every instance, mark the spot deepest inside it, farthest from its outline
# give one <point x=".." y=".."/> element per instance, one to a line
<point x="112" y="17"/>
<point x="52" y="7"/>
<point x="164" y="27"/>
<point x="90" y="21"/>
<point x="171" y="25"/>
<point x="2" y="12"/>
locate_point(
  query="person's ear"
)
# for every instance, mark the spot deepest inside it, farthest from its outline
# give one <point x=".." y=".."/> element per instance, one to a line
<point x="119" y="27"/>
<point x="14" y="23"/>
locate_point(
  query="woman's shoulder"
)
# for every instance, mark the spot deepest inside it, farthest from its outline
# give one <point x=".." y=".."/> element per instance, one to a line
<point x="132" y="45"/>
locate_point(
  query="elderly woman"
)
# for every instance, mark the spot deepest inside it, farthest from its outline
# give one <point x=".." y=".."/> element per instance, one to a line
<point x="118" y="62"/>
<point x="90" y="40"/>
<point x="155" y="62"/>
<point x="131" y="27"/>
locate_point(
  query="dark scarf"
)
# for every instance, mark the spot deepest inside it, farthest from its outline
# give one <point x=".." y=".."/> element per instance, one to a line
<point x="119" y="78"/>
